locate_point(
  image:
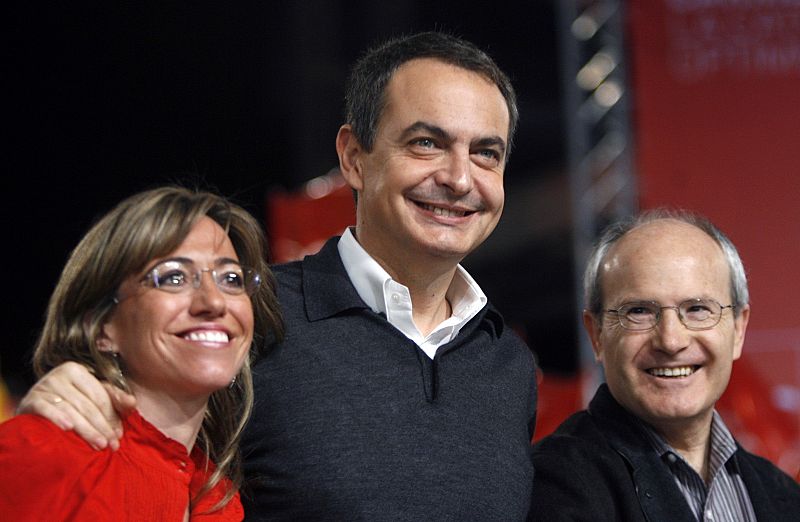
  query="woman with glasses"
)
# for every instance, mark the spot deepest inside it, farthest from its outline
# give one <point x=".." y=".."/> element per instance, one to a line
<point x="166" y="297"/>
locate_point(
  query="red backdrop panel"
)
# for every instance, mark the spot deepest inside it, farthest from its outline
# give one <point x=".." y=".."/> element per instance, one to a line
<point x="716" y="97"/>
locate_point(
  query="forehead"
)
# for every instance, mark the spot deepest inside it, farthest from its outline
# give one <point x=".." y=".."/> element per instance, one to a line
<point x="206" y="237"/>
<point x="427" y="89"/>
<point x="667" y="261"/>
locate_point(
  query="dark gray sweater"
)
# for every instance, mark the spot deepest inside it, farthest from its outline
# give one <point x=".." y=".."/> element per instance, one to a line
<point x="354" y="422"/>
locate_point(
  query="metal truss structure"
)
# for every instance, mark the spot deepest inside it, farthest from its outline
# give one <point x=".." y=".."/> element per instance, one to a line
<point x="599" y="145"/>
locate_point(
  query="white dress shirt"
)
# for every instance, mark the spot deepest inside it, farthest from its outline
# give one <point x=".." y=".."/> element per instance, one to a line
<point x="386" y="296"/>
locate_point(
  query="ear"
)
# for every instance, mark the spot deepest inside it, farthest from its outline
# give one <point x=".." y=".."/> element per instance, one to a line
<point x="350" y="157"/>
<point x="739" y="329"/>
<point x="593" y="327"/>
<point x="105" y="339"/>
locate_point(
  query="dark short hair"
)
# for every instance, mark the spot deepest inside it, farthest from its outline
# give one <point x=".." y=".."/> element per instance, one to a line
<point x="593" y="292"/>
<point x="365" y="90"/>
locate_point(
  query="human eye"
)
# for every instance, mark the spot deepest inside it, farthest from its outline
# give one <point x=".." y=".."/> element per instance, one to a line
<point x="170" y="277"/>
<point x="423" y="143"/>
<point x="698" y="309"/>
<point x="638" y="312"/>
<point x="231" y="278"/>
<point x="489" y="154"/>
<point x="488" y="157"/>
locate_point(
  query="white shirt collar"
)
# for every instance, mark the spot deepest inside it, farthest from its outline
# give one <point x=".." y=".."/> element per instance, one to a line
<point x="386" y="296"/>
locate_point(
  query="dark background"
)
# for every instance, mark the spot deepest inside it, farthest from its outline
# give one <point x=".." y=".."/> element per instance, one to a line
<point x="246" y="98"/>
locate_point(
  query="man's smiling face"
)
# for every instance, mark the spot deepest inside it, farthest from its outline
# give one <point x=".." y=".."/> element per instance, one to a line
<point x="668" y="375"/>
<point x="432" y="185"/>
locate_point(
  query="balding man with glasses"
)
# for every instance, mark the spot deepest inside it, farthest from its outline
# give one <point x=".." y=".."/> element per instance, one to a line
<point x="667" y="310"/>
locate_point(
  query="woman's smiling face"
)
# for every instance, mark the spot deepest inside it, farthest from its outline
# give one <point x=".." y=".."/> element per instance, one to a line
<point x="183" y="345"/>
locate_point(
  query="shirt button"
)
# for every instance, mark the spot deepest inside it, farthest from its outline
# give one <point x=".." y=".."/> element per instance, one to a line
<point x="709" y="515"/>
<point x="396" y="298"/>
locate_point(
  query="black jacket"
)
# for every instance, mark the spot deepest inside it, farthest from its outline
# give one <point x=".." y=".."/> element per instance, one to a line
<point x="597" y="466"/>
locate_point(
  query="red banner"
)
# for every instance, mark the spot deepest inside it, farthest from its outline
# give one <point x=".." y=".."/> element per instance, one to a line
<point x="716" y="98"/>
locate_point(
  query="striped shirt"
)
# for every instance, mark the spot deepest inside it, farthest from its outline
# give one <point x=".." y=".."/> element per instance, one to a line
<point x="725" y="497"/>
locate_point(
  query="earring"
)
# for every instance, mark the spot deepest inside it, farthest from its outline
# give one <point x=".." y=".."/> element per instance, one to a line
<point x="115" y="358"/>
<point x="233" y="383"/>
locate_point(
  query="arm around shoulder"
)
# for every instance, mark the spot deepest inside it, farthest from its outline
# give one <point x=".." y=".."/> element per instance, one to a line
<point x="72" y="398"/>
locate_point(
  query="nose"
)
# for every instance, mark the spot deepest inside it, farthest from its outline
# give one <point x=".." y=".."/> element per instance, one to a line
<point x="671" y="334"/>
<point x="456" y="174"/>
<point x="207" y="298"/>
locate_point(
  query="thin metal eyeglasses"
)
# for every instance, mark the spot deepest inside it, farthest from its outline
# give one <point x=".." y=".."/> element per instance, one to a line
<point x="695" y="314"/>
<point x="178" y="276"/>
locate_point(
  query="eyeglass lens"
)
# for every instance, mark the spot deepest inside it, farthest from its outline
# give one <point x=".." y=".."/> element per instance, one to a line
<point x="179" y="276"/>
<point x="693" y="313"/>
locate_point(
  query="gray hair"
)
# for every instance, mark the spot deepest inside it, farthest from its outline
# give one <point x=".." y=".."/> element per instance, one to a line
<point x="591" y="280"/>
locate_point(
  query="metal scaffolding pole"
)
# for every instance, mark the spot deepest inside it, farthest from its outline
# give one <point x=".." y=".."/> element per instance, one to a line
<point x="596" y="112"/>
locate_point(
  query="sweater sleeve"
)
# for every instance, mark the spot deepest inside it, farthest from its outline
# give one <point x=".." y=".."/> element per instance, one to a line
<point x="39" y="466"/>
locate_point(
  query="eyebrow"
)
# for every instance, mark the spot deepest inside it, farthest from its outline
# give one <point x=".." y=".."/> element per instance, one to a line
<point x="438" y="132"/>
<point x="218" y="261"/>
<point x="491" y="141"/>
<point x="430" y="128"/>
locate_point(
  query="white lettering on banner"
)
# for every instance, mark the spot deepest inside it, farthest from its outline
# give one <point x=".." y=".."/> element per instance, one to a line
<point x="742" y="38"/>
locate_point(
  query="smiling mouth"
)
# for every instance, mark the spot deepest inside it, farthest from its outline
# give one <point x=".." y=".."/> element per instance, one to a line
<point x="673" y="373"/>
<point x="214" y="336"/>
<point x="445" y="212"/>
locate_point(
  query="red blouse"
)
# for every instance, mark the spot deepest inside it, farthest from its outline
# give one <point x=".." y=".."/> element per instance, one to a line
<point x="50" y="474"/>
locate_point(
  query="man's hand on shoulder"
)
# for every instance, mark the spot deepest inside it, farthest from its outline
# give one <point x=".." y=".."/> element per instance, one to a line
<point x="73" y="399"/>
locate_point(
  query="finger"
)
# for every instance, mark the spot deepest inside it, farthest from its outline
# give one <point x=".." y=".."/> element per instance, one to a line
<point x="88" y="403"/>
<point x="44" y="404"/>
<point x="59" y="411"/>
<point x="84" y="429"/>
<point x="122" y="402"/>
<point x="88" y="407"/>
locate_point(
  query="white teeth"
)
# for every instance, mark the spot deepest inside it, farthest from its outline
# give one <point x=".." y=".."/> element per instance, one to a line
<point x="443" y="211"/>
<point x="214" y="336"/>
<point x="683" y="371"/>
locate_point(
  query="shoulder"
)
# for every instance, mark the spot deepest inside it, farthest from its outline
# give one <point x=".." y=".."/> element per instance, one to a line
<point x="232" y="511"/>
<point x="771" y="477"/>
<point x="288" y="275"/>
<point x="31" y="432"/>
<point x="578" y="451"/>
<point x="39" y="460"/>
<point x="490" y="318"/>
<point x="577" y="473"/>
<point x="30" y="444"/>
<point x="577" y="437"/>
<point x="293" y="276"/>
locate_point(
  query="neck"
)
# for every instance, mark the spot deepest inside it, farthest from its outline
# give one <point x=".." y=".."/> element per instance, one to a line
<point x="427" y="278"/>
<point x="692" y="442"/>
<point x="428" y="295"/>
<point x="178" y="420"/>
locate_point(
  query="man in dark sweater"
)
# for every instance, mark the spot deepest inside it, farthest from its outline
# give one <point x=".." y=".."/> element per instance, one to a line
<point x="667" y="312"/>
<point x="398" y="392"/>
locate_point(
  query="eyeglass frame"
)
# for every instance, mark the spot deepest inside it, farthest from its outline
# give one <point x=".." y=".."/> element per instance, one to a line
<point x="150" y="278"/>
<point x="677" y="309"/>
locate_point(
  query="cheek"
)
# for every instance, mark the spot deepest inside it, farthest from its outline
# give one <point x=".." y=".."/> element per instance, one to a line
<point x="140" y="321"/>
<point x="615" y="351"/>
<point x="243" y="312"/>
<point x="492" y="190"/>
